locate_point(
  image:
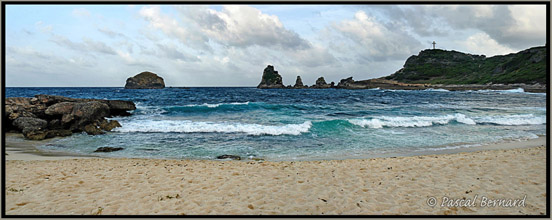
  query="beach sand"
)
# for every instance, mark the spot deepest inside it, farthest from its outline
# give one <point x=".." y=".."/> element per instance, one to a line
<point x="388" y="186"/>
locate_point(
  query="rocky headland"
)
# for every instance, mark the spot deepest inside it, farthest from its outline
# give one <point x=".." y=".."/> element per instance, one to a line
<point x="47" y="116"/>
<point x="450" y="70"/>
<point x="145" y="80"/>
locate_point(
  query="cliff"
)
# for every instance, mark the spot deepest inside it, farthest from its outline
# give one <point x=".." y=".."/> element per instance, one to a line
<point x="453" y="67"/>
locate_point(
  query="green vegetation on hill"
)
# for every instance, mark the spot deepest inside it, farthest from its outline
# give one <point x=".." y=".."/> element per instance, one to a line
<point x="453" y="67"/>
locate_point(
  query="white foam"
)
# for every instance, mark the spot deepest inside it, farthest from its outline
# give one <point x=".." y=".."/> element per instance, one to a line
<point x="414" y="121"/>
<point x="526" y="119"/>
<point x="451" y="147"/>
<point x="437" y="90"/>
<point x="518" y="90"/>
<point x="166" y="126"/>
<point x="218" y="104"/>
<point x="149" y="110"/>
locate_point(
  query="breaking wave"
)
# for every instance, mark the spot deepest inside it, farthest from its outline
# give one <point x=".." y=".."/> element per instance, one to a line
<point x="426" y="121"/>
<point x="526" y="119"/>
<point x="167" y="126"/>
<point x="415" y="121"/>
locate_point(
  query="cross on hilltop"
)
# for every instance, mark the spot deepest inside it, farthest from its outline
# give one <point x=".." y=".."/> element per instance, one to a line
<point x="433" y="44"/>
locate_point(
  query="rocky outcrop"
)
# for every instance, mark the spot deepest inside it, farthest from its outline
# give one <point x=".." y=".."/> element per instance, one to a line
<point x="321" y="84"/>
<point x="145" y="80"/>
<point x="47" y="116"/>
<point x="227" y="156"/>
<point x="108" y="149"/>
<point x="299" y="83"/>
<point x="344" y="83"/>
<point x="271" y="79"/>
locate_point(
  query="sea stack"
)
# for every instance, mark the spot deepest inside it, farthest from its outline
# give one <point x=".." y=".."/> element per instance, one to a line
<point x="271" y="79"/>
<point x="346" y="83"/>
<point x="321" y="84"/>
<point x="299" y="83"/>
<point x="145" y="80"/>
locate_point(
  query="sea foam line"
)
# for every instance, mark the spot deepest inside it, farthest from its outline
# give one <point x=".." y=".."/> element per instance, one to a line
<point x="426" y="121"/>
<point x="166" y="126"/>
<point x="526" y="119"/>
<point x="415" y="121"/>
<point x="217" y="105"/>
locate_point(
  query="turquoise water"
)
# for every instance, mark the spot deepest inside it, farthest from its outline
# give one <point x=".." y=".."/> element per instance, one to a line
<point x="279" y="124"/>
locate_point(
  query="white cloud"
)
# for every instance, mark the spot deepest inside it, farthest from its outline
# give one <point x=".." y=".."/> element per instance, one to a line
<point x="88" y="45"/>
<point x="514" y="26"/>
<point x="242" y="26"/>
<point x="110" y="33"/>
<point x="43" y="28"/>
<point x="482" y="43"/>
<point x="374" y="40"/>
<point x="172" y="28"/>
<point x="80" y="12"/>
<point x="530" y="23"/>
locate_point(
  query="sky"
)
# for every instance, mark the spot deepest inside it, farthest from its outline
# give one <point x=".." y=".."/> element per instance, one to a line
<point x="230" y="45"/>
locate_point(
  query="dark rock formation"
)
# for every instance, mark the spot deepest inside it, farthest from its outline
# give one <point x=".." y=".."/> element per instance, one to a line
<point x="93" y="129"/>
<point x="108" y="149"/>
<point x="321" y="84"/>
<point x="271" y="79"/>
<point x="145" y="80"/>
<point x="108" y="126"/>
<point x="347" y="83"/>
<point x="47" y="116"/>
<point x="226" y="156"/>
<point x="299" y="83"/>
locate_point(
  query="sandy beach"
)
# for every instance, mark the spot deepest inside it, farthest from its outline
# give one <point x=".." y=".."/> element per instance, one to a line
<point x="462" y="183"/>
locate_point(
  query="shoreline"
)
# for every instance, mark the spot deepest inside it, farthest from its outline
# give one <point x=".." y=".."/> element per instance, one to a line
<point x="378" y="186"/>
<point x="18" y="148"/>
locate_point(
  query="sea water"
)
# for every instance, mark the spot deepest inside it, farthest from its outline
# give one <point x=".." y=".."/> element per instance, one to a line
<point x="303" y="124"/>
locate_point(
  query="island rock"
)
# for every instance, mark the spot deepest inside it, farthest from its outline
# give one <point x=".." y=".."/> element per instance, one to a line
<point x="321" y="84"/>
<point x="271" y="79"/>
<point x="145" y="80"/>
<point x="299" y="83"/>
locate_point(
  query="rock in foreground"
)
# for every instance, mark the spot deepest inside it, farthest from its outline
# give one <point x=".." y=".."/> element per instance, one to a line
<point x="108" y="149"/>
<point x="271" y="79"/>
<point x="145" y="80"/>
<point x="47" y="116"/>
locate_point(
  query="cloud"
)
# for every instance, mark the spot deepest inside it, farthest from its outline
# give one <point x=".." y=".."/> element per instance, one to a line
<point x="86" y="46"/>
<point x="233" y="26"/>
<point x="312" y="57"/>
<point x="98" y="46"/>
<point x="514" y="26"/>
<point x="171" y="52"/>
<point x="172" y="28"/>
<point x="373" y="40"/>
<point x="243" y="26"/>
<point x="80" y="13"/>
<point x="482" y="43"/>
<point x="110" y="33"/>
<point x="43" y="28"/>
<point x="26" y="52"/>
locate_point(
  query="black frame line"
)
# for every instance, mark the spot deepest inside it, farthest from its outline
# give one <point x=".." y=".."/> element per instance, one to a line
<point x="272" y="2"/>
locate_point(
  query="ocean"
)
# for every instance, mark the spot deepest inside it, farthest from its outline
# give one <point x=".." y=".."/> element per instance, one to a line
<point x="303" y="124"/>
